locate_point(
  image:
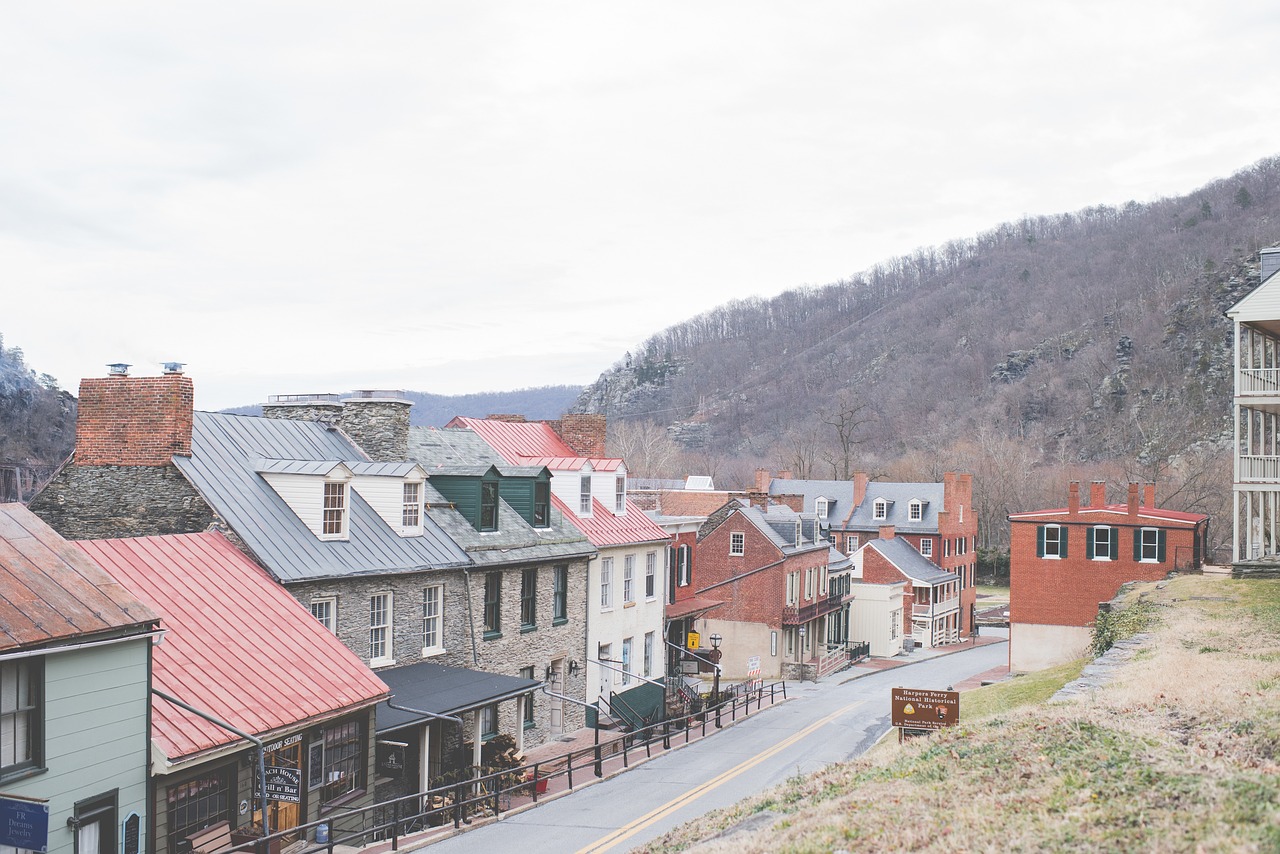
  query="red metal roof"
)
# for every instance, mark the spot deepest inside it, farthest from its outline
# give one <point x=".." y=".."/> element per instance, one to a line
<point x="603" y="528"/>
<point x="1120" y="510"/>
<point x="51" y="591"/>
<point x="237" y="644"/>
<point x="692" y="605"/>
<point x="531" y="443"/>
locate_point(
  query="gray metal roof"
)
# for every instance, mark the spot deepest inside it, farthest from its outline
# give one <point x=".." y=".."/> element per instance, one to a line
<point x="431" y="687"/>
<point x="914" y="565"/>
<point x="779" y="526"/>
<point x="842" y="515"/>
<point x="312" y="467"/>
<point x="225" y="450"/>
<point x="396" y="469"/>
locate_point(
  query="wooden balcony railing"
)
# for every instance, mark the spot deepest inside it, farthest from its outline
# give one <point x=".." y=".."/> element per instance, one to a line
<point x="793" y="615"/>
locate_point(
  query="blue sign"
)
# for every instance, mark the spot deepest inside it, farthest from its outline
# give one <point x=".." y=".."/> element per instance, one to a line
<point x="24" y="824"/>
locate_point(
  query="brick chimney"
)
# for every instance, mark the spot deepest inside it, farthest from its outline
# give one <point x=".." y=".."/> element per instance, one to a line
<point x="886" y="532"/>
<point x="510" y="419"/>
<point x="1149" y="495"/>
<point x="1098" y="493"/>
<point x="859" y="487"/>
<point x="134" y="421"/>
<point x="1133" y="499"/>
<point x="762" y="480"/>
<point x="583" y="432"/>
<point x="1073" y="498"/>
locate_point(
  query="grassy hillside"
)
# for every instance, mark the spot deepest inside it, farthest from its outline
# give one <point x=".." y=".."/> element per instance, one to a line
<point x="1179" y="753"/>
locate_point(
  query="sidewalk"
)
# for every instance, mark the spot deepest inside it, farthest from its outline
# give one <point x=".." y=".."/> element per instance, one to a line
<point x="876" y="665"/>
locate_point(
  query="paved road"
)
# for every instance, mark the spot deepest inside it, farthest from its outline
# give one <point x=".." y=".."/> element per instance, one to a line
<point x="831" y="722"/>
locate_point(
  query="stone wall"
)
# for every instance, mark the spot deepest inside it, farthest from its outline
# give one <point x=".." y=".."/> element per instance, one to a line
<point x="98" y="502"/>
<point x="380" y="426"/>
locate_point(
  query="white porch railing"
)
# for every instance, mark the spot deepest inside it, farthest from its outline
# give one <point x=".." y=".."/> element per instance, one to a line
<point x="936" y="609"/>
<point x="1259" y="468"/>
<point x="1259" y="380"/>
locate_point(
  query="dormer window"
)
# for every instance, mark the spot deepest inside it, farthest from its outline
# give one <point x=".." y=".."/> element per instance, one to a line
<point x="411" y="513"/>
<point x="542" y="504"/>
<point x="489" y="505"/>
<point x="880" y="509"/>
<point x="915" y="510"/>
<point x="820" y="507"/>
<point x="620" y="494"/>
<point x="584" y="495"/>
<point x="334" y="522"/>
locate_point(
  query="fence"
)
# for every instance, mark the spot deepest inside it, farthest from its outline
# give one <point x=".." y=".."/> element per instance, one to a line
<point x="491" y="793"/>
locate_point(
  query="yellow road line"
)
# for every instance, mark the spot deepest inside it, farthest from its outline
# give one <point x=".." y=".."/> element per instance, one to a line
<point x="629" y="830"/>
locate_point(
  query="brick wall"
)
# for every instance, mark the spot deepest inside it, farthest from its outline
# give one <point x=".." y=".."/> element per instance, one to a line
<point x="760" y="596"/>
<point x="583" y="432"/>
<point x="134" y="421"/>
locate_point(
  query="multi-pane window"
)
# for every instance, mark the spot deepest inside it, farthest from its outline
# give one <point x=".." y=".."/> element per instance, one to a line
<point x="432" y="611"/>
<point x="851" y="544"/>
<point x="411" y="512"/>
<point x="820" y="507"/>
<point x="737" y="543"/>
<point x="915" y="511"/>
<point x="560" y="594"/>
<point x="541" y="504"/>
<point x="325" y="610"/>
<point x="527" y="673"/>
<point x="196" y="804"/>
<point x="650" y="575"/>
<point x="648" y="654"/>
<point x="1149" y="545"/>
<point x="489" y="505"/>
<point x="20" y="738"/>
<point x="335" y="509"/>
<point x="1102" y="542"/>
<point x="793" y="588"/>
<point x="1053" y="543"/>
<point x="629" y="579"/>
<point x="620" y="494"/>
<point x="584" y="495"/>
<point x="489" y="721"/>
<point x="380" y="626"/>
<point x="926" y="546"/>
<point x="606" y="582"/>
<point x="529" y="597"/>
<point x="626" y="661"/>
<point x="879" y="509"/>
<point x="493" y="604"/>
<point x="343" y="760"/>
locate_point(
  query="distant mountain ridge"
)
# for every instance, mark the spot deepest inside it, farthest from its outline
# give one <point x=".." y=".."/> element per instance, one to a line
<point x="436" y="410"/>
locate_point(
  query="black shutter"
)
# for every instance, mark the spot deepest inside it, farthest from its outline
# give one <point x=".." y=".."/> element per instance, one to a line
<point x="1088" y="544"/>
<point x="1137" y="544"/>
<point x="1040" y="541"/>
<point x="1115" y="544"/>
<point x="1160" y="546"/>
<point x="1062" y="541"/>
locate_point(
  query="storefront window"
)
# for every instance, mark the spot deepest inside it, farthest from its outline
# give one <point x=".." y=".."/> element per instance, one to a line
<point x="343" y="760"/>
<point x="196" y="804"/>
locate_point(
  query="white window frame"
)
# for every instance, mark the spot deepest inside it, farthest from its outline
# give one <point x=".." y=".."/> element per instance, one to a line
<point x="620" y="494"/>
<point x="1111" y="547"/>
<point x="606" y="583"/>
<point x="629" y="580"/>
<point x="879" y="510"/>
<point x="684" y="565"/>
<point x="411" y="506"/>
<point x="1057" y="542"/>
<point x="651" y="575"/>
<point x="926" y="546"/>
<point x="1155" y="545"/>
<point x="820" y="507"/>
<point x="851" y="543"/>
<point x="329" y="606"/>
<point x="584" y="495"/>
<point x="432" y="619"/>
<point x="333" y="510"/>
<point x="808" y="583"/>
<point x="915" y="510"/>
<point x="737" y="543"/>
<point x="380" y="633"/>
<point x="648" y="655"/>
<point x="626" y="660"/>
<point x="793" y="588"/>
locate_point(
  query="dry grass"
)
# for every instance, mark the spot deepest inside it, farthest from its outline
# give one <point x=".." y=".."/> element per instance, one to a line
<point x="1178" y="754"/>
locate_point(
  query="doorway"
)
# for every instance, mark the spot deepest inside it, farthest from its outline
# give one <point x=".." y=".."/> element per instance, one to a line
<point x="283" y="760"/>
<point x="95" y="824"/>
<point x="557" y="704"/>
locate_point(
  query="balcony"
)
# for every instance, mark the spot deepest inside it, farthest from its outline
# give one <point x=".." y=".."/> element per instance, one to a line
<point x="1259" y="468"/>
<point x="936" y="609"/>
<point x="1259" y="381"/>
<point x="793" y="615"/>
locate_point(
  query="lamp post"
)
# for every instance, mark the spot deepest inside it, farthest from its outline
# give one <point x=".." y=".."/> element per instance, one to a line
<point x="715" y="679"/>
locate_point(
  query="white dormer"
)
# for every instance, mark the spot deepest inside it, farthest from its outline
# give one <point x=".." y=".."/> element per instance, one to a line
<point x="821" y="506"/>
<point x="620" y="493"/>
<point x="880" y="509"/>
<point x="915" y="510"/>
<point x="395" y="492"/>
<point x="317" y="491"/>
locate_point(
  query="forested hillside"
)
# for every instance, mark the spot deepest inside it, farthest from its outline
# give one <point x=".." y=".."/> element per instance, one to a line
<point x="37" y="425"/>
<point x="1088" y="344"/>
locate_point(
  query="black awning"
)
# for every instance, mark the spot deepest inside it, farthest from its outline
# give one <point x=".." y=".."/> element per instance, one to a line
<point x="443" y="691"/>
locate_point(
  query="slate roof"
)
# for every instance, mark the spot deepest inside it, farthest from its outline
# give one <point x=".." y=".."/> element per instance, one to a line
<point x="225" y="451"/>
<point x="515" y="541"/>
<point x="779" y="526"/>
<point x="258" y="660"/>
<point x="51" y="591"/>
<point x="841" y="515"/>
<point x="910" y="562"/>
<point x="442" y="690"/>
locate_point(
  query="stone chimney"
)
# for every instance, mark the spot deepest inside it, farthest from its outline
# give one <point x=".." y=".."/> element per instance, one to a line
<point x="378" y="421"/>
<point x="324" y="408"/>
<point x="1149" y="495"/>
<point x="134" y="421"/>
<point x="1073" y="498"/>
<point x="583" y="432"/>
<point x="886" y="532"/>
<point x="859" y="487"/>
<point x="1098" y="493"/>
<point x="1133" y="499"/>
<point x="1269" y="260"/>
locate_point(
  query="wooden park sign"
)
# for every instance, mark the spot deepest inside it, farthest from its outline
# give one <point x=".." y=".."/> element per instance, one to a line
<point x="915" y="708"/>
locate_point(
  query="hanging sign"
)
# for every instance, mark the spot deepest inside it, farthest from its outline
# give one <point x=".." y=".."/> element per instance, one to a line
<point x="284" y="784"/>
<point x="24" y="824"/>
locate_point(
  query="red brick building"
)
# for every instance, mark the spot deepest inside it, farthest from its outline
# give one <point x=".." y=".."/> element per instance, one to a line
<point x="930" y="599"/>
<point x="1065" y="561"/>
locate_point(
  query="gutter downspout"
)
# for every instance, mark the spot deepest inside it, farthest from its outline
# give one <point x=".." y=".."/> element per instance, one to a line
<point x="262" y="760"/>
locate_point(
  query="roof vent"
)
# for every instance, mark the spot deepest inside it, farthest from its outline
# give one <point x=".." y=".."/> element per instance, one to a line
<point x="118" y="369"/>
<point x="173" y="368"/>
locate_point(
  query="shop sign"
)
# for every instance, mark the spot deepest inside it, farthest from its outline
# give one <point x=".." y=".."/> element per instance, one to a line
<point x="24" y="824"/>
<point x="694" y="641"/>
<point x="284" y="784"/>
<point x="915" y="708"/>
<point x="391" y="757"/>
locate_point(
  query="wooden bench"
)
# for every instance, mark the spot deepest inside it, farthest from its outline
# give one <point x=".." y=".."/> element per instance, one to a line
<point x="210" y="840"/>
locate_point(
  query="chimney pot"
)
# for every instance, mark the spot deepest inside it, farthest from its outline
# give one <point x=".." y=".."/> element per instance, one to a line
<point x="172" y="368"/>
<point x="118" y="369"/>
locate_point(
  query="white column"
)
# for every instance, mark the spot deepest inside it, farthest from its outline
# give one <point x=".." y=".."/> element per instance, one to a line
<point x="520" y="701"/>
<point x="476" y="741"/>
<point x="424" y="762"/>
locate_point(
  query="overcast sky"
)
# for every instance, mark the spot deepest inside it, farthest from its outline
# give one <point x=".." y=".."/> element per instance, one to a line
<point x="320" y="196"/>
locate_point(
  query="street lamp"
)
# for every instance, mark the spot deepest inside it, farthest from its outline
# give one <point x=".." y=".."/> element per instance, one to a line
<point x="715" y="679"/>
